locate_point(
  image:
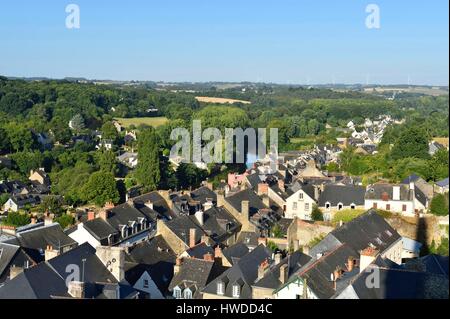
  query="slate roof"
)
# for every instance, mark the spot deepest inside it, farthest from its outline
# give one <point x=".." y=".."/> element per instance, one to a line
<point x="271" y="279"/>
<point x="254" y="179"/>
<point x="402" y="284"/>
<point x="200" y="250"/>
<point x="345" y="194"/>
<point x="244" y="273"/>
<point x="99" y="228"/>
<point x="39" y="282"/>
<point x="218" y="223"/>
<point x="250" y="239"/>
<point x="434" y="264"/>
<point x="367" y="229"/>
<point x="255" y="203"/>
<point x="196" y="274"/>
<point x="202" y="194"/>
<point x="375" y="191"/>
<point x="442" y="183"/>
<point x="36" y="240"/>
<point x="318" y="273"/>
<point x="12" y="255"/>
<point x="181" y="227"/>
<point x="159" y="204"/>
<point x="235" y="252"/>
<point x="156" y="258"/>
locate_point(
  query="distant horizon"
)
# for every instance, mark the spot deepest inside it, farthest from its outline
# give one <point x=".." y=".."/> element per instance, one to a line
<point x="218" y="81"/>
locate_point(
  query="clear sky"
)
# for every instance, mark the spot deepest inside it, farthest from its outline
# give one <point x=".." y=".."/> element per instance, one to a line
<point x="284" y="41"/>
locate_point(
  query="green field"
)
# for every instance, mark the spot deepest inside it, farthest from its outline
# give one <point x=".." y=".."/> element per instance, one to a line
<point x="136" y="121"/>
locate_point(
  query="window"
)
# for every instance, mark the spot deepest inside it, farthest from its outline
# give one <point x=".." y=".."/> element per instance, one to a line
<point x="236" y="291"/>
<point x="187" y="294"/>
<point x="388" y="207"/>
<point x="352" y="206"/>
<point x="306" y="206"/>
<point x="327" y="205"/>
<point x="146" y="283"/>
<point x="300" y="196"/>
<point x="294" y="205"/>
<point x="404" y="208"/>
<point x="375" y="205"/>
<point x="220" y="288"/>
<point x="177" y="293"/>
<point x="340" y="206"/>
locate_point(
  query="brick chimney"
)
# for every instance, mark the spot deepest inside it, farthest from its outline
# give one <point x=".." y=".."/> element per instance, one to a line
<point x="14" y="271"/>
<point x="192" y="237"/>
<point x="220" y="200"/>
<point x="281" y="184"/>
<point x="208" y="257"/>
<point x="50" y="253"/>
<point x="351" y="263"/>
<point x="76" y="289"/>
<point x="90" y="215"/>
<point x="284" y="270"/>
<point x="33" y="220"/>
<point x="263" y="189"/>
<point x="48" y="219"/>
<point x="278" y="257"/>
<point x="367" y="256"/>
<point x="218" y="252"/>
<point x="262" y="268"/>
<point x="245" y="210"/>
<point x="104" y="214"/>
<point x="178" y="263"/>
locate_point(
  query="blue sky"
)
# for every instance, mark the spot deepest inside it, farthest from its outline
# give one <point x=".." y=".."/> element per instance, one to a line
<point x="284" y="41"/>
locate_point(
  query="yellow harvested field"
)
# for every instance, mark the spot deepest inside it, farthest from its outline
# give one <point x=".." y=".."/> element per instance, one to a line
<point x="219" y="100"/>
<point x="441" y="140"/>
<point x="136" y="121"/>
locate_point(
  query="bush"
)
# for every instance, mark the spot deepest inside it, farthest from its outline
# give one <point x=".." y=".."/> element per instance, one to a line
<point x="317" y="214"/>
<point x="17" y="219"/>
<point x="439" y="205"/>
<point x="65" y="220"/>
<point x="347" y="215"/>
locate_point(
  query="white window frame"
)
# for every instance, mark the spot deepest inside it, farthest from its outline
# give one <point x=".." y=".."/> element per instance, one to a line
<point x="177" y="292"/>
<point x="220" y="288"/>
<point x="236" y="291"/>
<point x="187" y="293"/>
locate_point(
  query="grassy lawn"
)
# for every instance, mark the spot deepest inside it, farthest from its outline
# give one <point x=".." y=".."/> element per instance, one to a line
<point x="347" y="215"/>
<point x="136" y="121"/>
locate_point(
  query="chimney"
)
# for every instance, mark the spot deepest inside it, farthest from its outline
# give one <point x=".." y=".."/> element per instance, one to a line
<point x="385" y="196"/>
<point x="278" y="258"/>
<point x="208" y="205"/>
<point x="166" y="195"/>
<point x="262" y="241"/>
<point x="266" y="201"/>
<point x="205" y="239"/>
<point x="305" y="250"/>
<point x="103" y="214"/>
<point x="33" y="220"/>
<point x="149" y="204"/>
<point x="200" y="216"/>
<point x="263" y="189"/>
<point x="209" y="185"/>
<point x="14" y="271"/>
<point x="262" y="268"/>
<point x="50" y="253"/>
<point x="76" y="289"/>
<point x="91" y="215"/>
<point x="245" y="210"/>
<point x="316" y="193"/>
<point x="178" y="263"/>
<point x="218" y="252"/>
<point x="351" y="262"/>
<point x="192" y="236"/>
<point x="208" y="257"/>
<point x="48" y="219"/>
<point x="368" y="255"/>
<point x="284" y="270"/>
<point x="396" y="192"/>
<point x="220" y="200"/>
<point x="114" y="259"/>
<point x="109" y="205"/>
<point x="281" y="184"/>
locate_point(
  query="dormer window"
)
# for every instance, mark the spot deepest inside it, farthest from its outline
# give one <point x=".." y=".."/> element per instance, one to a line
<point x="352" y="206"/>
<point x="177" y="292"/>
<point x="300" y="196"/>
<point x="187" y="294"/>
<point x="327" y="205"/>
<point x="220" y="288"/>
<point x="340" y="206"/>
<point x="236" y="291"/>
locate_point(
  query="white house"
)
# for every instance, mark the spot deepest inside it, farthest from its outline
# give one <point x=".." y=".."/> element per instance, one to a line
<point x="300" y="203"/>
